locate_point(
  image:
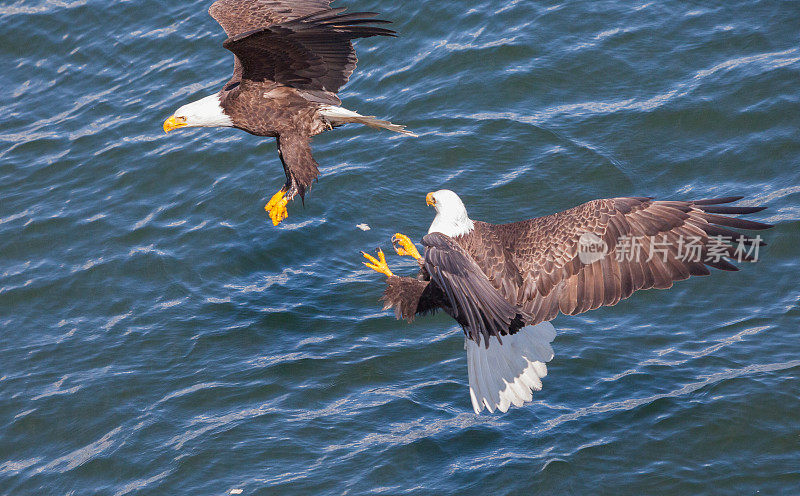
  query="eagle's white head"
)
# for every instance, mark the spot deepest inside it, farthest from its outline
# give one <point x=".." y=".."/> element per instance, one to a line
<point x="206" y="112"/>
<point x="451" y="215"/>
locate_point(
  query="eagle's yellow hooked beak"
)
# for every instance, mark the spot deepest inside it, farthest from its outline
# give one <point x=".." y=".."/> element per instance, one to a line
<point x="430" y="200"/>
<point x="174" y="123"/>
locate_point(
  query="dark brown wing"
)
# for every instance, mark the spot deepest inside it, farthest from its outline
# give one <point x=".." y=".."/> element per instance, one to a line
<point x="648" y="244"/>
<point x="240" y="16"/>
<point x="312" y="53"/>
<point x="495" y="260"/>
<point x="476" y="303"/>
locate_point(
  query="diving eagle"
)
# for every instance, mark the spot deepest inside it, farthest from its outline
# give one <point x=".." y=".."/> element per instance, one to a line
<point x="504" y="283"/>
<point x="290" y="59"/>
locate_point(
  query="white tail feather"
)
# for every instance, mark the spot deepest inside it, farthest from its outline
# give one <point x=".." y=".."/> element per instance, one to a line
<point x="340" y="115"/>
<point x="507" y="374"/>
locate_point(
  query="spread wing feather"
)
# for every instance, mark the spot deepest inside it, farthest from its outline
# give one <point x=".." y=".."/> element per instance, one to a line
<point x="476" y="303"/>
<point x="240" y="16"/>
<point x="650" y="244"/>
<point x="496" y="277"/>
<point x="304" y="44"/>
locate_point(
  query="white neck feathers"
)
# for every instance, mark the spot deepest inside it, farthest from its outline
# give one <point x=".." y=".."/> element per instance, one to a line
<point x="451" y="215"/>
<point x="451" y="227"/>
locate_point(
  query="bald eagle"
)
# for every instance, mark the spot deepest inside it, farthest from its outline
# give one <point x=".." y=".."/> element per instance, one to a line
<point x="290" y="59"/>
<point x="504" y="283"/>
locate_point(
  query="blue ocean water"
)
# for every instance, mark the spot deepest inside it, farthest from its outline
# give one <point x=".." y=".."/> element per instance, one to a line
<point x="159" y="336"/>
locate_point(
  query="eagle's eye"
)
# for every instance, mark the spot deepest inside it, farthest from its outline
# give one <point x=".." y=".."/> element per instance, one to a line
<point x="180" y="118"/>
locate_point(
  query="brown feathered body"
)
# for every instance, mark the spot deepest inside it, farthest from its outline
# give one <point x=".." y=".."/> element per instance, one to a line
<point x="283" y="113"/>
<point x="272" y="110"/>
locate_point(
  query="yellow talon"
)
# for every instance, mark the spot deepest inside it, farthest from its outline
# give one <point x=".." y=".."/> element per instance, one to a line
<point x="378" y="264"/>
<point x="406" y="247"/>
<point x="277" y="207"/>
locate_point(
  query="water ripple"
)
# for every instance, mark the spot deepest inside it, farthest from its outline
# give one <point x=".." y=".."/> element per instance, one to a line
<point x="161" y="336"/>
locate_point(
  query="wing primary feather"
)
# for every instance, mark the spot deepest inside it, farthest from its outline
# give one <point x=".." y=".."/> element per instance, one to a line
<point x="731" y="210"/>
<point x="717" y="201"/>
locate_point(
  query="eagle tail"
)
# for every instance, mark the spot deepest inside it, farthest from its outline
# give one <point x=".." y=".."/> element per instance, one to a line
<point x="337" y="116"/>
<point x="508" y="373"/>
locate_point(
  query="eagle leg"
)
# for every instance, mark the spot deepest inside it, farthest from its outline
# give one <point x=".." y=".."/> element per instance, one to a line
<point x="378" y="264"/>
<point x="277" y="206"/>
<point x="300" y="169"/>
<point x="405" y="247"/>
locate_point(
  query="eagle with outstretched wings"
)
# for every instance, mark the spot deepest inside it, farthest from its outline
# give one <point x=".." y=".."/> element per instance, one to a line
<point x="504" y="283"/>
